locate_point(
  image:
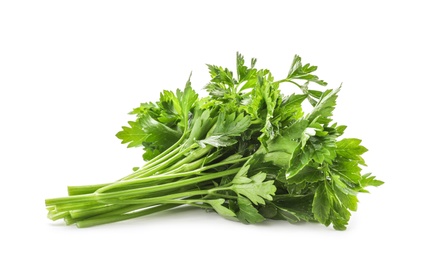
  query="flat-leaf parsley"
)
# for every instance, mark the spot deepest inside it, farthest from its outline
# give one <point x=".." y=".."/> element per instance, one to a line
<point x="247" y="151"/>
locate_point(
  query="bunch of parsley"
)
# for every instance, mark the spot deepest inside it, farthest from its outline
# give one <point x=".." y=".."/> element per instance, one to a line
<point x="246" y="151"/>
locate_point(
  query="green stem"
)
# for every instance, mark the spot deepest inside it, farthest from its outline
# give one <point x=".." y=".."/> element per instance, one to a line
<point x="139" y="191"/>
<point x="53" y="215"/>
<point x="73" y="199"/>
<point x="166" y="162"/>
<point x="127" y="194"/>
<point x="89" y="212"/>
<point x="291" y="81"/>
<point x="197" y="154"/>
<point x="166" y="176"/>
<point x="114" y="218"/>
<point x="84" y="189"/>
<point x="109" y="210"/>
<point x="157" y="159"/>
<point x="160" y="199"/>
<point x="74" y="206"/>
<point x="138" y="182"/>
<point x="182" y="171"/>
<point x="151" y="168"/>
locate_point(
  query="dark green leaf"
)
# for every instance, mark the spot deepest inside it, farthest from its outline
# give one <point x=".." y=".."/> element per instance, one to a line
<point x="187" y="99"/>
<point x="226" y="128"/>
<point x="307" y="174"/>
<point x="298" y="71"/>
<point x="247" y="212"/>
<point x="217" y="205"/>
<point x="350" y="148"/>
<point x="324" y="108"/>
<point x="293" y="207"/>
<point x="322" y="204"/>
<point x="158" y="133"/>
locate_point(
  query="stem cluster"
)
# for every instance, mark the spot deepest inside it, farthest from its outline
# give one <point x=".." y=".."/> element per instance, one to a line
<point x="162" y="183"/>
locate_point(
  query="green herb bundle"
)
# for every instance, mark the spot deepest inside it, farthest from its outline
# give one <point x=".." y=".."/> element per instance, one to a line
<point x="246" y="151"/>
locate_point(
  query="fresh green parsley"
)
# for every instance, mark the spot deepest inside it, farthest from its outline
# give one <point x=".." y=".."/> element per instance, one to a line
<point x="246" y="151"/>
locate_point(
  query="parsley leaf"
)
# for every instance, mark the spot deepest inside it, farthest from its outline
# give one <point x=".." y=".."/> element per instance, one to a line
<point x="247" y="213"/>
<point x="254" y="188"/>
<point x="322" y="203"/>
<point x="226" y="127"/>
<point x="133" y="135"/>
<point x="298" y="71"/>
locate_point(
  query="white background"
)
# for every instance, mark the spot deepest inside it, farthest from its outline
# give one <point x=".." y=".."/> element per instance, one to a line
<point x="70" y="71"/>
